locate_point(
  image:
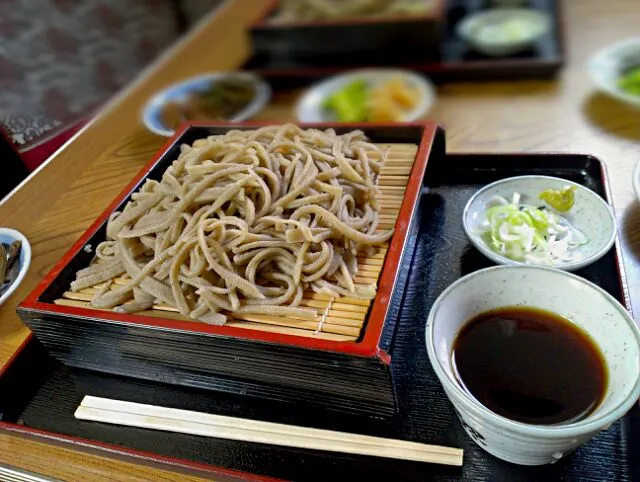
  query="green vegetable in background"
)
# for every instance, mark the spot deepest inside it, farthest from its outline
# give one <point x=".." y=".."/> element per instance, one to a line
<point x="350" y="102"/>
<point x="561" y="200"/>
<point x="630" y="82"/>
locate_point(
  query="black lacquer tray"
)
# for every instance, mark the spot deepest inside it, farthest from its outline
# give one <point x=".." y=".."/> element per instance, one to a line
<point x="456" y="60"/>
<point x="367" y="37"/>
<point x="38" y="395"/>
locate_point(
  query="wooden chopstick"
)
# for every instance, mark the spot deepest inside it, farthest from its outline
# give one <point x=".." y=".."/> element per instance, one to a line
<point x="208" y="425"/>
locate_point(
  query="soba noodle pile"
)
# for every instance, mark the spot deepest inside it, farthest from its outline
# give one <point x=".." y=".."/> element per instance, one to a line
<point x="245" y="222"/>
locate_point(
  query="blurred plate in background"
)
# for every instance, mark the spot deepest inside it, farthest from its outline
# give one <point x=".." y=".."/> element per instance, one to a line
<point x="608" y="66"/>
<point x="500" y="32"/>
<point x="153" y="116"/>
<point x="312" y="105"/>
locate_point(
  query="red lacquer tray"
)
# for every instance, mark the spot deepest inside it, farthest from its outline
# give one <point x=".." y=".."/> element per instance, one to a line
<point x="270" y="365"/>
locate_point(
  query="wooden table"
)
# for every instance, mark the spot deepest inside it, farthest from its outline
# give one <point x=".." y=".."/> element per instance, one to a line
<point x="59" y="202"/>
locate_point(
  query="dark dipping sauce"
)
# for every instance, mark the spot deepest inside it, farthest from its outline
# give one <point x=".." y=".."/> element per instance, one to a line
<point x="530" y="366"/>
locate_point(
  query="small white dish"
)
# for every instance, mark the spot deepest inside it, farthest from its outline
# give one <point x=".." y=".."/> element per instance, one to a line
<point x="565" y="294"/>
<point x="310" y="107"/>
<point x="636" y="180"/>
<point x="590" y="214"/>
<point x="608" y="65"/>
<point x="498" y="32"/>
<point x="8" y="236"/>
<point x="151" y="114"/>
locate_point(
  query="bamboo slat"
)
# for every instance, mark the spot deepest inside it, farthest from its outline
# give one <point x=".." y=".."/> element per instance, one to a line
<point x="338" y="319"/>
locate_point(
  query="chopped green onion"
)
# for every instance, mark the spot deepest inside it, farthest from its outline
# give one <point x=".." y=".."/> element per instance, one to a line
<point x="525" y="233"/>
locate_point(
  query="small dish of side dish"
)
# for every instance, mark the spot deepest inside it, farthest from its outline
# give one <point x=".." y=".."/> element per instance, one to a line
<point x="540" y="220"/>
<point x="225" y="96"/>
<point x="616" y="71"/>
<point x="503" y="31"/>
<point x="15" y="258"/>
<point x="368" y="95"/>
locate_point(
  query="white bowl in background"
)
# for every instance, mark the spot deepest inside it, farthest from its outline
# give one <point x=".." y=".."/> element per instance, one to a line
<point x="8" y="236"/>
<point x="590" y="214"/>
<point x="609" y="64"/>
<point x="588" y="306"/>
<point x="636" y="180"/>
<point x="310" y="107"/>
<point x="471" y="30"/>
<point x="151" y="114"/>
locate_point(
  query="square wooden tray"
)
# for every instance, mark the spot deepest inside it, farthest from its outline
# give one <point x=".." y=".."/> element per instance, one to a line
<point x="255" y="358"/>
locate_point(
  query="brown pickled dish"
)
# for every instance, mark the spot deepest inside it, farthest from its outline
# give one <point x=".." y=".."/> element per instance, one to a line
<point x="530" y="365"/>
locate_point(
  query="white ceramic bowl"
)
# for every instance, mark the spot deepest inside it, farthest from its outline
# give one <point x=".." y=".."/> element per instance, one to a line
<point x="8" y="236"/>
<point x="606" y="67"/>
<point x="176" y="92"/>
<point x="310" y="107"/>
<point x="574" y="298"/>
<point x="636" y="180"/>
<point x="470" y="29"/>
<point x="590" y="214"/>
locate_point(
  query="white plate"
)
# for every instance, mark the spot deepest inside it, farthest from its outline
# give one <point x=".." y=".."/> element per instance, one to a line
<point x="590" y="214"/>
<point x="607" y="65"/>
<point x="310" y="107"/>
<point x="8" y="236"/>
<point x="468" y="30"/>
<point x="176" y="92"/>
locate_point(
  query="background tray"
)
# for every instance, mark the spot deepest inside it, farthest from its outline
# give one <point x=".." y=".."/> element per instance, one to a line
<point x="367" y="37"/>
<point x="46" y="398"/>
<point x="458" y="62"/>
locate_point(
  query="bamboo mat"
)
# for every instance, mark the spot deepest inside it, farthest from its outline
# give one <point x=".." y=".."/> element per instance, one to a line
<point x="338" y="319"/>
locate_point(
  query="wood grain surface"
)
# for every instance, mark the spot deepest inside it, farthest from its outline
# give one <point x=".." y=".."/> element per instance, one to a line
<point x="61" y="200"/>
<point x="66" y="464"/>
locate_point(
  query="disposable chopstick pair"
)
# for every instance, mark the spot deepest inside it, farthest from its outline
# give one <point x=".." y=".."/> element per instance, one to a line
<point x="218" y="426"/>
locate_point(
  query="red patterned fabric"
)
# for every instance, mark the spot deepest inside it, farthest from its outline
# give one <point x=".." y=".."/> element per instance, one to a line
<point x="61" y="59"/>
<point x="38" y="153"/>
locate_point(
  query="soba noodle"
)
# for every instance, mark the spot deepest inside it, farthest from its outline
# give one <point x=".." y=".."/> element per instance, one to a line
<point x="245" y="222"/>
